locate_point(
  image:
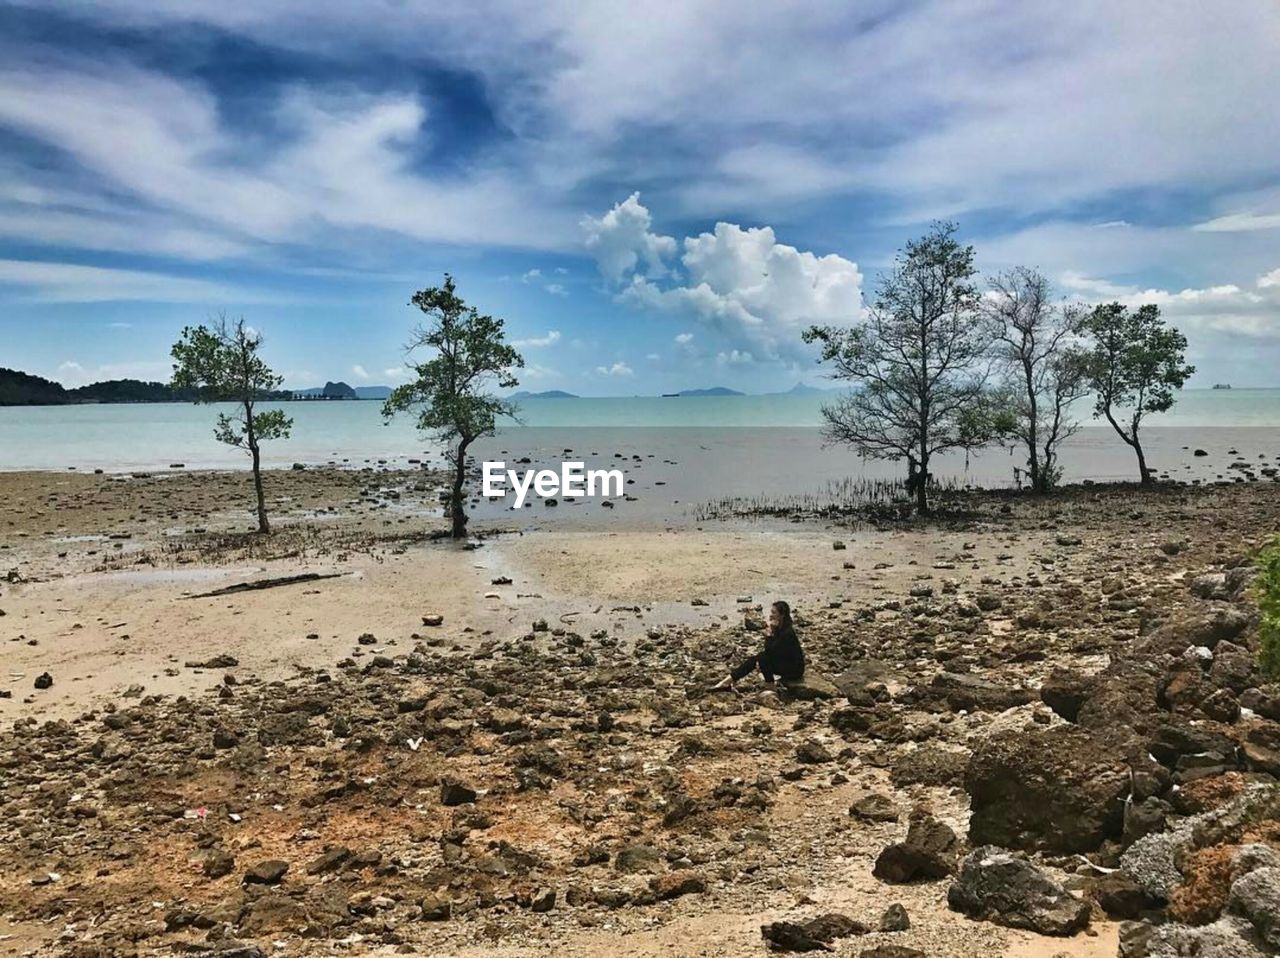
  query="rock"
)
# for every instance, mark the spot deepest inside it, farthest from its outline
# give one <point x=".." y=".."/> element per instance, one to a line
<point x="677" y="883"/>
<point x="454" y="793"/>
<point x="1225" y="938"/>
<point x="1064" y="691"/>
<point x="812" y="686"/>
<point x="266" y="873"/>
<point x="996" y="885"/>
<point x="433" y="620"/>
<point x="813" y="752"/>
<point x="973" y="694"/>
<point x="1055" y="789"/>
<point x="895" y="918"/>
<point x="816" y="934"/>
<point x="891" y="951"/>
<point x="543" y="901"/>
<point x="1256" y="897"/>
<point x="44" y="681"/>
<point x="225" y="738"/>
<point x="636" y="858"/>
<point x="329" y="860"/>
<point x="1120" y="896"/>
<point x="874" y="808"/>
<point x="931" y="765"/>
<point x="1232" y="667"/>
<point x="436" y="908"/>
<point x="219" y="864"/>
<point x="929" y="852"/>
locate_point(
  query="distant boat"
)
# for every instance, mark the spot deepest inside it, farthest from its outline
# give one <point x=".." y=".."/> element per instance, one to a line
<point x="1222" y="385"/>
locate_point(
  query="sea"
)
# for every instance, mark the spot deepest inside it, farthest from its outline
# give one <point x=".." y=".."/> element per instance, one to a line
<point x="677" y="450"/>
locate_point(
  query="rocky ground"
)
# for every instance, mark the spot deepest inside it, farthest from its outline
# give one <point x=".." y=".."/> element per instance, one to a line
<point x="1065" y="749"/>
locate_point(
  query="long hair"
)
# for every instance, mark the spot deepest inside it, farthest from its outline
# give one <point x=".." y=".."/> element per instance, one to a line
<point x="784" y="612"/>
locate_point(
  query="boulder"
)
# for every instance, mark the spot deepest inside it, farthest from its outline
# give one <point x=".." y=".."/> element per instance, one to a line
<point x="1065" y="691"/>
<point x="998" y="886"/>
<point x="1054" y="789"/>
<point x="928" y="852"/>
<point x="973" y="694"/>
<point x="1256" y="897"/>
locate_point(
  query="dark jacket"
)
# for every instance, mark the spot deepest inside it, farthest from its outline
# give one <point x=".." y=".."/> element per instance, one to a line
<point x="782" y="655"/>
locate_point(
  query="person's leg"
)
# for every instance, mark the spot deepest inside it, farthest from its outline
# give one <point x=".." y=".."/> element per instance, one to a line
<point x="743" y="670"/>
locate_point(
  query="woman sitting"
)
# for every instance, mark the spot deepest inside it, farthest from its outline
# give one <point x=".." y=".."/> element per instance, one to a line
<point x="781" y="657"/>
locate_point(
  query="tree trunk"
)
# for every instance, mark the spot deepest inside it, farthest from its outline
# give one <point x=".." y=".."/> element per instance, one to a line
<point x="1033" y="452"/>
<point x="263" y="525"/>
<point x="457" y="508"/>
<point x="1143" y="471"/>
<point x="922" y="485"/>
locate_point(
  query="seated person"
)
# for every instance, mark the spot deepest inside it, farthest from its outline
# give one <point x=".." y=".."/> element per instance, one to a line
<point x="781" y="657"/>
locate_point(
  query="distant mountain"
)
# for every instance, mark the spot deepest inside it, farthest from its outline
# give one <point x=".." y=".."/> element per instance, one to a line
<point x="23" y="389"/>
<point x="548" y="394"/>
<point x="801" y="389"/>
<point x="341" y="390"/>
<point x="713" y="391"/>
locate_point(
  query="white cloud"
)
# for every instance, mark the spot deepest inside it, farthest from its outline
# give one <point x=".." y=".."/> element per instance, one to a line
<point x="618" y="369"/>
<point x="556" y="289"/>
<point x="72" y="373"/>
<point x="623" y="244"/>
<point x="734" y="357"/>
<point x="684" y="338"/>
<point x="1224" y="309"/>
<point x="741" y="282"/>
<point x="120" y="325"/>
<point x="73" y="283"/>
<point x="1240" y="222"/>
<point x="653" y="357"/>
<point x="395" y="372"/>
<point x="550" y="339"/>
<point x="531" y="275"/>
<point x="360" y="372"/>
<point x="535" y="373"/>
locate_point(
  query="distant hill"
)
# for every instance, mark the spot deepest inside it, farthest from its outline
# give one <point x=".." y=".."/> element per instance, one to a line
<point x="341" y="390"/>
<point x="802" y="389"/>
<point x="713" y="391"/>
<point x="548" y="394"/>
<point x="22" y="389"/>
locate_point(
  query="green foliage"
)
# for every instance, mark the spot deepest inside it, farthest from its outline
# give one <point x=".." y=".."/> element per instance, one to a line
<point x="1267" y="587"/>
<point x="221" y="364"/>
<point x="449" y="391"/>
<point x="918" y="362"/>
<point x="1134" y="365"/>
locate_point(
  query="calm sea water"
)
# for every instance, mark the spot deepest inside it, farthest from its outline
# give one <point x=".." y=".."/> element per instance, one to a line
<point x="683" y="449"/>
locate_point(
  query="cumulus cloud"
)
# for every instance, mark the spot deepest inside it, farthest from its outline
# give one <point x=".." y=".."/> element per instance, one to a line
<point x="623" y="244"/>
<point x="684" y="338"/>
<point x="1228" y="308"/>
<point x="618" y="369"/>
<point x="739" y="281"/>
<point x="734" y="357"/>
<point x="395" y="372"/>
<point x="72" y="373"/>
<point x="360" y="372"/>
<point x="550" y="339"/>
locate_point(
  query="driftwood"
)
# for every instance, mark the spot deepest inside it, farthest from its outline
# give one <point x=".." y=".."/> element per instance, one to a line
<point x="266" y="584"/>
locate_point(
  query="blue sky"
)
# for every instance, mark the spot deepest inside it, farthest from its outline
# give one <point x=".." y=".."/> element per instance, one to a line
<point x="653" y="200"/>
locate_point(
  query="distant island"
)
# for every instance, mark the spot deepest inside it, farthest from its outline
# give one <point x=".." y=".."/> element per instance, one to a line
<point x="548" y="394"/>
<point x="23" y="389"/>
<point x="713" y="391"/>
<point x="341" y="390"/>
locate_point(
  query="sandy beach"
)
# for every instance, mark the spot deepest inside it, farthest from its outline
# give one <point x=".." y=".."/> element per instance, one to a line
<point x="607" y="801"/>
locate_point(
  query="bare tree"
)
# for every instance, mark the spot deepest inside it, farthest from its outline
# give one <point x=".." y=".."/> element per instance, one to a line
<point x="1043" y="373"/>
<point x="917" y="365"/>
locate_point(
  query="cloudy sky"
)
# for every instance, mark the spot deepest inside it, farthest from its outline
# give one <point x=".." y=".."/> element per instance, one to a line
<point x="654" y="197"/>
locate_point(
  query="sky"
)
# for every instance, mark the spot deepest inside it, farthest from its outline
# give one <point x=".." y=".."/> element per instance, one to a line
<point x="654" y="197"/>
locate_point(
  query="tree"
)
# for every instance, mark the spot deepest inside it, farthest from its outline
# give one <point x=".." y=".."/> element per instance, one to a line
<point x="449" y="391"/>
<point x="916" y="363"/>
<point x="1134" y="366"/>
<point x="220" y="363"/>
<point x="1043" y="374"/>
